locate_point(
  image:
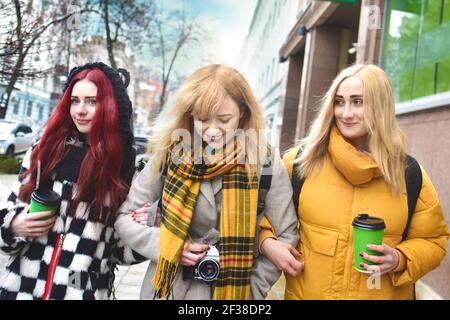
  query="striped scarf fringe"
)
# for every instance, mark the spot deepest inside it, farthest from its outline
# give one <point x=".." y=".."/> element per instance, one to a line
<point x="164" y="277"/>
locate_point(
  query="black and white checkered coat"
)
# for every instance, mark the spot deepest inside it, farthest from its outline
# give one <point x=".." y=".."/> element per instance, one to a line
<point x="89" y="251"/>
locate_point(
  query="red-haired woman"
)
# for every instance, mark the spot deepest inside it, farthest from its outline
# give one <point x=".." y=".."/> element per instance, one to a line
<point x="86" y="156"/>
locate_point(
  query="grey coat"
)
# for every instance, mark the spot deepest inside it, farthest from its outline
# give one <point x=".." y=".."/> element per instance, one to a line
<point x="145" y="239"/>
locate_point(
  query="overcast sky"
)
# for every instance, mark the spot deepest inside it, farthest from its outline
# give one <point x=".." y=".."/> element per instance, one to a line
<point x="231" y="19"/>
<point x="226" y="20"/>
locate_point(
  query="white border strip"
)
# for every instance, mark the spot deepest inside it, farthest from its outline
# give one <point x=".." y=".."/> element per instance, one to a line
<point x="425" y="103"/>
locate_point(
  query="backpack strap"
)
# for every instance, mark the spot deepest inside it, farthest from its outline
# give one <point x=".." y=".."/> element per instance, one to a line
<point x="265" y="181"/>
<point x="163" y="178"/>
<point x="413" y="179"/>
<point x="297" y="181"/>
<point x="164" y="172"/>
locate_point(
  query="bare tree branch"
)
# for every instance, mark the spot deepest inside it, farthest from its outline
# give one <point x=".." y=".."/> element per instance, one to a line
<point x="174" y="35"/>
<point x="25" y="42"/>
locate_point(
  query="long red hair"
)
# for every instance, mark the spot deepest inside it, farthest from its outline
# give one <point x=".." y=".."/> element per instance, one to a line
<point x="100" y="173"/>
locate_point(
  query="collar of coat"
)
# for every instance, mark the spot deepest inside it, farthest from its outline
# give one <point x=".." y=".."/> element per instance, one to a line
<point x="357" y="167"/>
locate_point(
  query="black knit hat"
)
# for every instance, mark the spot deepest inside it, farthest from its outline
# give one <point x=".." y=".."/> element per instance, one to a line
<point x="120" y="79"/>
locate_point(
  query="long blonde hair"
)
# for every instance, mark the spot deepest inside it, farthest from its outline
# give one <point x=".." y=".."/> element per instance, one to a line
<point x="384" y="139"/>
<point x="202" y="95"/>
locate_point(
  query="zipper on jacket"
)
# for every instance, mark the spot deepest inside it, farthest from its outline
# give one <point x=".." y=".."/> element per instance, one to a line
<point x="53" y="265"/>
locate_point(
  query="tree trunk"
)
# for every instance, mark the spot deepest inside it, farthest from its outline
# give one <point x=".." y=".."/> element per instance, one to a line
<point x="109" y="43"/>
<point x="10" y="87"/>
<point x="162" y="97"/>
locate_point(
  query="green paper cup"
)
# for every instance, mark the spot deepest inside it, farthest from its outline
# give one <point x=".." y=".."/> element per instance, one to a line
<point x="44" y="200"/>
<point x="366" y="230"/>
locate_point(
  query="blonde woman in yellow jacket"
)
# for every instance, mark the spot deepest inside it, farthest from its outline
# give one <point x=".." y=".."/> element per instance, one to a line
<point x="353" y="161"/>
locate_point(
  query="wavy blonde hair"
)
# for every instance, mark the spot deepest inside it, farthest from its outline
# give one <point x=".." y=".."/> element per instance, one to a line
<point x="202" y="95"/>
<point x="384" y="140"/>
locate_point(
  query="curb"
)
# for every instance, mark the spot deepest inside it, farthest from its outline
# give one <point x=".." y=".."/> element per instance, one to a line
<point x="424" y="292"/>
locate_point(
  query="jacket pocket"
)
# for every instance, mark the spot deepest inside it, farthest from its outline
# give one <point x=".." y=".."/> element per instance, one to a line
<point x="319" y="247"/>
<point x="320" y="240"/>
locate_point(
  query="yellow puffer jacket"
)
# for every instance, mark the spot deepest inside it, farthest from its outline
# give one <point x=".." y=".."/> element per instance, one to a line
<point x="350" y="183"/>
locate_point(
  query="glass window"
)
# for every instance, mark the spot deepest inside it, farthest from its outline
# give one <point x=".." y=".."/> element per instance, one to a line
<point x="270" y="120"/>
<point x="29" y="109"/>
<point x="16" y="107"/>
<point x="27" y="129"/>
<point x="416" y="49"/>
<point x="41" y="112"/>
<point x="443" y="72"/>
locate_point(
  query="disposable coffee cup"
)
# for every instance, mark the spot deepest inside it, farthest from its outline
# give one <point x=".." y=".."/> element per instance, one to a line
<point x="44" y="200"/>
<point x="366" y="230"/>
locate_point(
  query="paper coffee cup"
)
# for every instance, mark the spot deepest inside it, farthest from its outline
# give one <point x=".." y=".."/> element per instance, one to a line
<point x="366" y="230"/>
<point x="44" y="200"/>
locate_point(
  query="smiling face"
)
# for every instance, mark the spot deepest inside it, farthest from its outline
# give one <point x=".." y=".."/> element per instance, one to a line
<point x="82" y="105"/>
<point x="213" y="129"/>
<point x="349" y="111"/>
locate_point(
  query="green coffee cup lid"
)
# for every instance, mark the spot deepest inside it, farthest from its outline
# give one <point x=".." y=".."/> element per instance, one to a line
<point x="367" y="222"/>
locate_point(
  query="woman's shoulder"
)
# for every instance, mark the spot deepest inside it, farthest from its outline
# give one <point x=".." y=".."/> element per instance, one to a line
<point x="291" y="153"/>
<point x="428" y="195"/>
<point x="145" y="171"/>
<point x="289" y="156"/>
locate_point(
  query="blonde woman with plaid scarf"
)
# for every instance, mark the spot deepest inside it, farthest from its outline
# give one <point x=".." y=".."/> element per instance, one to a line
<point x="203" y="177"/>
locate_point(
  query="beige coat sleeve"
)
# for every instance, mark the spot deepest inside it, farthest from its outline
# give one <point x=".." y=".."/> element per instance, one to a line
<point x="279" y="210"/>
<point x="141" y="238"/>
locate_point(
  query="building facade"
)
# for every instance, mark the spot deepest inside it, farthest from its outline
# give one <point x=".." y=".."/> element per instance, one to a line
<point x="259" y="59"/>
<point x="30" y="105"/>
<point x="409" y="40"/>
<point x="32" y="100"/>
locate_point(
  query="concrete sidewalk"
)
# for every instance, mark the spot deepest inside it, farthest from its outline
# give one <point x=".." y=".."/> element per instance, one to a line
<point x="129" y="279"/>
<point x="6" y="183"/>
<point x="7" y="180"/>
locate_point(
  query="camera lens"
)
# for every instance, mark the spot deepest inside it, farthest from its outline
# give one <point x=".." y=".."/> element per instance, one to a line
<point x="208" y="270"/>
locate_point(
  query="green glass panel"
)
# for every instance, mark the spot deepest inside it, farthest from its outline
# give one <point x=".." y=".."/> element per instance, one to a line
<point x="428" y="49"/>
<point x="400" y="45"/>
<point x="345" y="1"/>
<point x="443" y="69"/>
<point x="416" y="48"/>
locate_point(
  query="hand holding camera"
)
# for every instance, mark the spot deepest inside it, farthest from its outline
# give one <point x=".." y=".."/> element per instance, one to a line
<point x="200" y="262"/>
<point x="193" y="253"/>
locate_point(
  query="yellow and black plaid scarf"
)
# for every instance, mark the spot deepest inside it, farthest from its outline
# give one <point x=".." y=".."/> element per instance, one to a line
<point x="237" y="223"/>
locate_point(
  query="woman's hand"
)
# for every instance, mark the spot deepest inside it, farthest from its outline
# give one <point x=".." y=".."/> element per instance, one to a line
<point x="387" y="262"/>
<point x="30" y="225"/>
<point x="193" y="253"/>
<point x="141" y="215"/>
<point x="283" y="256"/>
